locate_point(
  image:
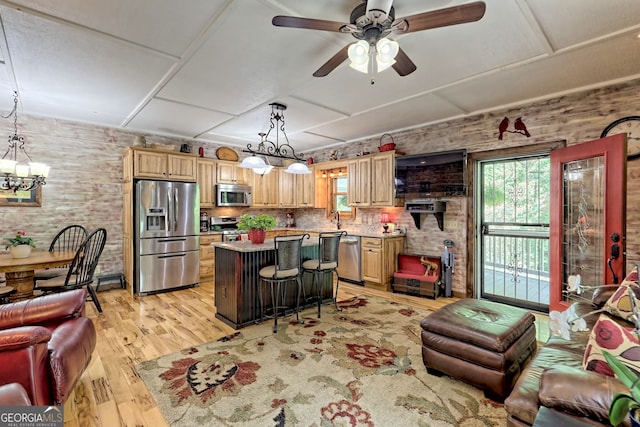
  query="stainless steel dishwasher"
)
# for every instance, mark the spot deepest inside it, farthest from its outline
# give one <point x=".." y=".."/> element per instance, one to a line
<point x="349" y="267"/>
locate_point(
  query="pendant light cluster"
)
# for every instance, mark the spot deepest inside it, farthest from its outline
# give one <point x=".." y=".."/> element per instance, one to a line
<point x="19" y="176"/>
<point x="267" y="148"/>
<point x="372" y="58"/>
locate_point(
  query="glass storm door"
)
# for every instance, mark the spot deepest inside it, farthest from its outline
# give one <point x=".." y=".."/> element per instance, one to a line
<point x="588" y="194"/>
<point x="514" y="230"/>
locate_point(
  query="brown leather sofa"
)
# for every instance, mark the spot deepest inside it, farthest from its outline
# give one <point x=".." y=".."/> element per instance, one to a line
<point x="45" y="345"/>
<point x="554" y="378"/>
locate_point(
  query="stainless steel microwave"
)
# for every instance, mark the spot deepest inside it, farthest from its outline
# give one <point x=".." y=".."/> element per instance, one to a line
<point x="233" y="195"/>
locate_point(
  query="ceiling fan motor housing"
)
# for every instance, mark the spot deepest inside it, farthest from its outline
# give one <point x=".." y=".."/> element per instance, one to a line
<point x="370" y="29"/>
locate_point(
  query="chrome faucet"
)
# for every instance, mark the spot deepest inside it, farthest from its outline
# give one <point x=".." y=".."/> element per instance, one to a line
<point x="336" y="216"/>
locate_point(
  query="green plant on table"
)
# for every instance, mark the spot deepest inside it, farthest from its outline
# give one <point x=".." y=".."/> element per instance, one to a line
<point x="622" y="403"/>
<point x="261" y="222"/>
<point x="625" y="403"/>
<point x="20" y="239"/>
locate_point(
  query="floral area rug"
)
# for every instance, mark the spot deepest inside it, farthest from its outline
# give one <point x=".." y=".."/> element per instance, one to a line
<point x="361" y="366"/>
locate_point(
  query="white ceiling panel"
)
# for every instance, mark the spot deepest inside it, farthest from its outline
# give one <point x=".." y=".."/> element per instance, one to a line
<point x="554" y="75"/>
<point x="571" y="22"/>
<point x="423" y="109"/>
<point x="74" y="74"/>
<point x="298" y="117"/>
<point x="168" y="117"/>
<point x="183" y="68"/>
<point x="165" y="25"/>
<point x="257" y="64"/>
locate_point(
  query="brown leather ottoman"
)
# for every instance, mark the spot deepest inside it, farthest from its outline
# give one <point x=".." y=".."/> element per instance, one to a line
<point x="483" y="343"/>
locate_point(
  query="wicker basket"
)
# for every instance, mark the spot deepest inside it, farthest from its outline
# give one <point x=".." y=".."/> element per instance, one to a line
<point x="387" y="146"/>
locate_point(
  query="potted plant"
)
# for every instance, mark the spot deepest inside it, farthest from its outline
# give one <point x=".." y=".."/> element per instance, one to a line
<point x="624" y="403"/>
<point x="20" y="246"/>
<point x="256" y="225"/>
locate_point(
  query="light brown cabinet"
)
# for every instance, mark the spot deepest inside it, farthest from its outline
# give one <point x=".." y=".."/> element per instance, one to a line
<point x="359" y="184"/>
<point x="306" y="190"/>
<point x="161" y="165"/>
<point x="287" y="195"/>
<point x="372" y="180"/>
<point x="264" y="189"/>
<point x="230" y="173"/>
<point x="379" y="260"/>
<point x="206" y="177"/>
<point x="383" y="182"/>
<point x="207" y="258"/>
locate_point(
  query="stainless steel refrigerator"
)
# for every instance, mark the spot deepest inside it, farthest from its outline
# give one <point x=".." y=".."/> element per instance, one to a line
<point x="167" y="235"/>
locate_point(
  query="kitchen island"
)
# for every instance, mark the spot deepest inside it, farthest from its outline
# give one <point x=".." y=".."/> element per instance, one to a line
<point x="236" y="285"/>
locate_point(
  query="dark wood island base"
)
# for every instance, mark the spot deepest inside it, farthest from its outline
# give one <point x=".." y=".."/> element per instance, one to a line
<point x="236" y="281"/>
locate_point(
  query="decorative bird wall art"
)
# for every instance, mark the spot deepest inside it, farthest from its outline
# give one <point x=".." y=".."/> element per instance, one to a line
<point x="518" y="125"/>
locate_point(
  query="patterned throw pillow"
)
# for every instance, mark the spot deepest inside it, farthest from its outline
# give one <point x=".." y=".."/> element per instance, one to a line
<point x="619" y="304"/>
<point x="620" y="341"/>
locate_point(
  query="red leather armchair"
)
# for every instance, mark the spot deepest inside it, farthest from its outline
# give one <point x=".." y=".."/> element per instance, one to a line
<point x="45" y="345"/>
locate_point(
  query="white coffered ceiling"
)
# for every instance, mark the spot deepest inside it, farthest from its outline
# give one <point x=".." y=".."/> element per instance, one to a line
<point x="208" y="69"/>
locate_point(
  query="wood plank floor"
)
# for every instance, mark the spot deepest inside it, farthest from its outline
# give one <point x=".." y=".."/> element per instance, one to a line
<point x="133" y="329"/>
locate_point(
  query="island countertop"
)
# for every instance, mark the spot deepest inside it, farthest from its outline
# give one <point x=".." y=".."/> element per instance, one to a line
<point x="251" y="247"/>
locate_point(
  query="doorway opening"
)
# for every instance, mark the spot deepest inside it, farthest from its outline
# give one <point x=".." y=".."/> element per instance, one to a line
<point x="513" y="211"/>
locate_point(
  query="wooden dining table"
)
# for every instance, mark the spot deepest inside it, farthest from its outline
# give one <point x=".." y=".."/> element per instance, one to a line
<point x="19" y="272"/>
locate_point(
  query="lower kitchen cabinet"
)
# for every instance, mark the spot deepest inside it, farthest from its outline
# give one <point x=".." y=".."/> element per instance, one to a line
<point x="207" y="260"/>
<point x="379" y="260"/>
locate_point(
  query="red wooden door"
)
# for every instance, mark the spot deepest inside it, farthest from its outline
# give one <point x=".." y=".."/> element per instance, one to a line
<point x="588" y="210"/>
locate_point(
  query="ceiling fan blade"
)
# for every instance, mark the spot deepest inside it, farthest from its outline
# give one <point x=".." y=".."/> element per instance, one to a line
<point x="403" y="64"/>
<point x="311" y="24"/>
<point x="469" y="12"/>
<point x="333" y="63"/>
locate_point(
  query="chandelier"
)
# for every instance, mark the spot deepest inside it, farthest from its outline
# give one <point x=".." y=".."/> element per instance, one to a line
<point x="267" y="148"/>
<point x="19" y="176"/>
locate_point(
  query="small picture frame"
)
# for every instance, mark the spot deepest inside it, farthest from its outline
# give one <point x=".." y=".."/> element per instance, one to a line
<point x="21" y="198"/>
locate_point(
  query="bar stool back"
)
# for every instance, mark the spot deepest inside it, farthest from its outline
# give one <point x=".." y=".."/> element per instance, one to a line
<point x="286" y="269"/>
<point x="326" y="263"/>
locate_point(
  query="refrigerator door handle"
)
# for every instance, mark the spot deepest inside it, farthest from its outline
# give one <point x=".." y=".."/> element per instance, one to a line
<point x="175" y="209"/>
<point x="171" y="212"/>
<point x="184" y="239"/>
<point x="172" y="255"/>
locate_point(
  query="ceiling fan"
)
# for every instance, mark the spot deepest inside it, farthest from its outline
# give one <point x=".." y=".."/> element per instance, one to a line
<point x="371" y="22"/>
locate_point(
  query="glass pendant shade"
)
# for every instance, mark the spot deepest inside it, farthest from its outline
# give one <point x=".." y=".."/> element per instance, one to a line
<point x="252" y="162"/>
<point x="263" y="171"/>
<point x="386" y="52"/>
<point x="7" y="166"/>
<point x="359" y="55"/>
<point x="298" y="168"/>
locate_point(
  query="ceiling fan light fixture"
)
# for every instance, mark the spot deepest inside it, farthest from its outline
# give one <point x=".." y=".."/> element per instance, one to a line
<point x="359" y="52"/>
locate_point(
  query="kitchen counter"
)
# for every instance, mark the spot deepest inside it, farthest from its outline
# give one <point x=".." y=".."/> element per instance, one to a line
<point x="237" y="280"/>
<point x="350" y="232"/>
<point x="266" y="246"/>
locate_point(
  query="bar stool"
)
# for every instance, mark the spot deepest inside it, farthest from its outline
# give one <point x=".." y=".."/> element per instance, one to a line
<point x="326" y="263"/>
<point x="286" y="269"/>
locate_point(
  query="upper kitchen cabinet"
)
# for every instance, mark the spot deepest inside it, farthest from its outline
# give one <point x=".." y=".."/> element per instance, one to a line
<point x="162" y="165"/>
<point x="230" y="173"/>
<point x="383" y="182"/>
<point x="371" y="180"/>
<point x="310" y="195"/>
<point x="288" y="196"/>
<point x="264" y="189"/>
<point x="359" y="184"/>
<point x="207" y="180"/>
